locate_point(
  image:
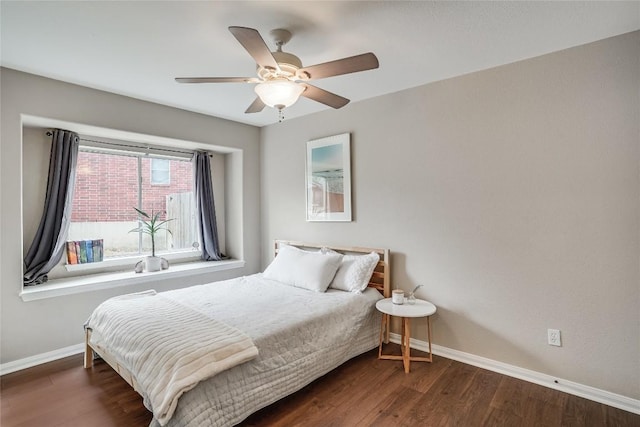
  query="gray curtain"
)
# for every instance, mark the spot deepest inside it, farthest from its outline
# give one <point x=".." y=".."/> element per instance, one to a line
<point x="48" y="244"/>
<point x="205" y="207"/>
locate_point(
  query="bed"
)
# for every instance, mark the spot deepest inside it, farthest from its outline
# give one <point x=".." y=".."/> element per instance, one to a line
<point x="297" y="334"/>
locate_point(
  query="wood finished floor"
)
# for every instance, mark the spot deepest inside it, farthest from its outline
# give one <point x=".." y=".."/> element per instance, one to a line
<point x="363" y="392"/>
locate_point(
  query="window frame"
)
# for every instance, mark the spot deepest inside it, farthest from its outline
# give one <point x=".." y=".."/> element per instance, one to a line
<point x="181" y="255"/>
<point x="151" y="170"/>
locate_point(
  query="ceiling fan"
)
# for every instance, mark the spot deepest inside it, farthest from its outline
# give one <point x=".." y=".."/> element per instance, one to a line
<point x="281" y="78"/>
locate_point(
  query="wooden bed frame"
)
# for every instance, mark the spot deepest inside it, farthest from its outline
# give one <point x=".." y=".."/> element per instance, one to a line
<point x="380" y="280"/>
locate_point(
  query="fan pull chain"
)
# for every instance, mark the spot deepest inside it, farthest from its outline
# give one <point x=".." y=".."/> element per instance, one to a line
<point x="280" y="115"/>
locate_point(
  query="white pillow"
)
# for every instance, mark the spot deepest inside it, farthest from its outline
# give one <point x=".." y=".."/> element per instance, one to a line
<point x="354" y="272"/>
<point x="303" y="269"/>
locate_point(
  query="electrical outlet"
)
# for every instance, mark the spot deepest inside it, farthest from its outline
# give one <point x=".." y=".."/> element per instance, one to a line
<point x="553" y="336"/>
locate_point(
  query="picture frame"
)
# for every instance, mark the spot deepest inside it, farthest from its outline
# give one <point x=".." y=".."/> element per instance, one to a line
<point x="328" y="178"/>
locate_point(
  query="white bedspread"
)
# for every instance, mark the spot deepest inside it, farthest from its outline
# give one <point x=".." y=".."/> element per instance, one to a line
<point x="301" y="335"/>
<point x="167" y="346"/>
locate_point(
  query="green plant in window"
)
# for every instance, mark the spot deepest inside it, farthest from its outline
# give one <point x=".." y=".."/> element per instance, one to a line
<point x="151" y="224"/>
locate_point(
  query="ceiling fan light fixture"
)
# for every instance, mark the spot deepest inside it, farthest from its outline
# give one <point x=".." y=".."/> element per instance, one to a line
<point x="280" y="76"/>
<point x="279" y="93"/>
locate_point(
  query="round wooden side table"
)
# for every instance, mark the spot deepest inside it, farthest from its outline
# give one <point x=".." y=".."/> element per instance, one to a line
<point x="406" y="312"/>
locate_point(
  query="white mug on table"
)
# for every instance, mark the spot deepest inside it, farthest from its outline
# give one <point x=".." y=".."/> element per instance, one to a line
<point x="397" y="296"/>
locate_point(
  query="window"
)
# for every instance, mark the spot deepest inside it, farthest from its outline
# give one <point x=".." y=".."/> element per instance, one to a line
<point x="116" y="270"/>
<point x="110" y="184"/>
<point x="160" y="172"/>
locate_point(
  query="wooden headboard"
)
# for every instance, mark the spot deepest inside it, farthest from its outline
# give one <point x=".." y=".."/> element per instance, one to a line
<point x="381" y="277"/>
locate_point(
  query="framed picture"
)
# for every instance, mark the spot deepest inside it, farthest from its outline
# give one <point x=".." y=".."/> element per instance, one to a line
<point x="329" y="178"/>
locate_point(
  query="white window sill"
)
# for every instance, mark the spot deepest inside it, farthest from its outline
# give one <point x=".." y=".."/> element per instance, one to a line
<point x="128" y="262"/>
<point x="96" y="282"/>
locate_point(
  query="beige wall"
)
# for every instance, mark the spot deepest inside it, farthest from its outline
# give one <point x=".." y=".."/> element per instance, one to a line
<point x="512" y="194"/>
<point x="31" y="328"/>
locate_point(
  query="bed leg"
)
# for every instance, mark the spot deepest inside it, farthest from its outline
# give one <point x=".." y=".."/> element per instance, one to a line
<point x="88" y="351"/>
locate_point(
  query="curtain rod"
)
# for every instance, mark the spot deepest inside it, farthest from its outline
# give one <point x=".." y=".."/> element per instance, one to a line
<point x="49" y="133"/>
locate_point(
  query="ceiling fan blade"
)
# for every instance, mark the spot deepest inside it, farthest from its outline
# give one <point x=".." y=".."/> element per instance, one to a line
<point x="353" y="64"/>
<point x="217" y="80"/>
<point x="323" y="96"/>
<point x="256" y="106"/>
<point x="251" y="40"/>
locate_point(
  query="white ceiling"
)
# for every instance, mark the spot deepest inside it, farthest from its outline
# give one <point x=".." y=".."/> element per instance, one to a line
<point x="137" y="48"/>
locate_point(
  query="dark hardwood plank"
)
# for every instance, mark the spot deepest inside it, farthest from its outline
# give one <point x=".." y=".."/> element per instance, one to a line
<point x="65" y="394"/>
<point x="510" y="397"/>
<point x="393" y="409"/>
<point x="474" y="401"/>
<point x="426" y="374"/>
<point x="545" y="406"/>
<point x="437" y="405"/>
<point x="616" y="417"/>
<point x="499" y="418"/>
<point x="583" y="412"/>
<point x="365" y="393"/>
<point x="362" y="392"/>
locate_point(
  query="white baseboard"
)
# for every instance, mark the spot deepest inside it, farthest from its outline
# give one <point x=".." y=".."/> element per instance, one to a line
<point x="38" y="359"/>
<point x="581" y="390"/>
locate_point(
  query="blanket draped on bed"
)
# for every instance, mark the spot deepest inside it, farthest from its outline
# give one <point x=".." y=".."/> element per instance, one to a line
<point x="168" y="347"/>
